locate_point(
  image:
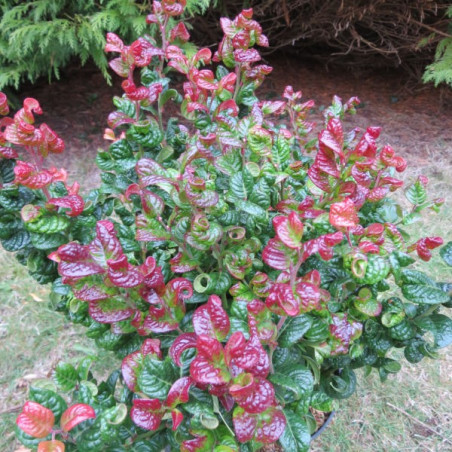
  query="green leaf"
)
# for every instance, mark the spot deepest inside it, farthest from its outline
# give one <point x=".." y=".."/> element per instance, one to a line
<point x="66" y="376"/>
<point x="440" y="326"/>
<point x="261" y="194"/>
<point x="47" y="241"/>
<point x="48" y="224"/>
<point x="340" y="386"/>
<point x="17" y="241"/>
<point x="49" y="399"/>
<point x="241" y="184"/>
<point x="446" y="253"/>
<point x="293" y="330"/>
<point x="91" y="440"/>
<point x="156" y="377"/>
<point x="296" y="436"/>
<point x="419" y="288"/>
<point x="416" y="193"/>
<point x="286" y="386"/>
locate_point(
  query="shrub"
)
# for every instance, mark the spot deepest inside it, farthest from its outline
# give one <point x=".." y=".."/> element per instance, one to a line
<point x="240" y="264"/>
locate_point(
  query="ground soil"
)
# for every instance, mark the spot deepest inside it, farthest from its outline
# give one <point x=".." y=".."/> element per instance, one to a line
<point x="416" y="119"/>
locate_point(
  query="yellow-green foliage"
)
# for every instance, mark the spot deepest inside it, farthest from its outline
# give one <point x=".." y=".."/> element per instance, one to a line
<point x="40" y="37"/>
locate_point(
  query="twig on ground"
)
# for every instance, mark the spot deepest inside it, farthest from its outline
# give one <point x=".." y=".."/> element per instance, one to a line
<point x="419" y="422"/>
<point x="11" y="409"/>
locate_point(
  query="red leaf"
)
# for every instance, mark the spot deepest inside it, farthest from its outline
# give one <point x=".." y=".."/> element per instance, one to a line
<point x="147" y="413"/>
<point x="180" y="344"/>
<point x="282" y="300"/>
<point x="75" y="261"/>
<point x="211" y="319"/>
<point x="122" y="274"/>
<point x="181" y="263"/>
<point x="74" y="203"/>
<point x="277" y="255"/>
<point x="76" y="414"/>
<point x="177" y="418"/>
<point x="4" y="108"/>
<point x="51" y="446"/>
<point x="114" y="43"/>
<point x="179" y="32"/>
<point x="179" y="392"/>
<point x="260" y="399"/>
<point x="289" y="230"/>
<point x="35" y="420"/>
<point x="244" y="425"/>
<point x="343" y="215"/>
<point x="243" y="386"/>
<point x="344" y="331"/>
<point x="333" y="137"/>
<point x="195" y="444"/>
<point x="271" y="425"/>
<point x="205" y="371"/>
<point x="246" y="56"/>
<point x="110" y="310"/>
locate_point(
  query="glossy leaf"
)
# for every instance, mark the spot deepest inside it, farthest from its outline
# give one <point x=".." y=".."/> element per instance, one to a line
<point x="211" y="319"/>
<point x="35" y="420"/>
<point x="296" y="435"/>
<point x="51" y="446"/>
<point x="76" y="414"/>
<point x="418" y="288"/>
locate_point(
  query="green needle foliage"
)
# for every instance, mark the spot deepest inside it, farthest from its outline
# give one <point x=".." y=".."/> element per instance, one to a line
<point x="440" y="71"/>
<point x="39" y="38"/>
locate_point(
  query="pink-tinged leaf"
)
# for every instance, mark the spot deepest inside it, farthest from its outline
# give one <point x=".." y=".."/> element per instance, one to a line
<point x="211" y="319"/>
<point x="122" y="274"/>
<point x="150" y="230"/>
<point x="344" y="331"/>
<point x="254" y="357"/>
<point x="199" y="196"/>
<point x="181" y="263"/>
<point x="377" y="194"/>
<point x="130" y="368"/>
<point x="4" y="108"/>
<point x="289" y="230"/>
<point x="119" y="66"/>
<point x="203" y="55"/>
<point x="51" y="446"/>
<point x="180" y="344"/>
<point x="204" y="371"/>
<point x="75" y="261"/>
<point x="423" y="247"/>
<point x="277" y="255"/>
<point x="260" y="399"/>
<point x="159" y="320"/>
<point x="7" y="153"/>
<point x="368" y="247"/>
<point x="230" y="107"/>
<point x="179" y="392"/>
<point x="90" y="293"/>
<point x="35" y="420"/>
<point x="117" y="118"/>
<point x="205" y="79"/>
<point x="310" y="296"/>
<point x="319" y="178"/>
<point x="271" y="426"/>
<point x="111" y="310"/>
<point x="246" y="56"/>
<point x="179" y="32"/>
<point x="27" y="175"/>
<point x="74" y="203"/>
<point x="151" y="173"/>
<point x="114" y="43"/>
<point x="282" y="300"/>
<point x="106" y="245"/>
<point x="333" y="137"/>
<point x="244" y="425"/>
<point x="343" y="215"/>
<point x="209" y="365"/>
<point x="132" y="364"/>
<point x="76" y="414"/>
<point x="235" y="346"/>
<point x="177" y="417"/>
<point x="147" y="413"/>
<point x="243" y="386"/>
<point x="196" y="444"/>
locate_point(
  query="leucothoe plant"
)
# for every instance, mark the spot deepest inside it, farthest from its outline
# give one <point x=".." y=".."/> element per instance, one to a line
<point x="240" y="260"/>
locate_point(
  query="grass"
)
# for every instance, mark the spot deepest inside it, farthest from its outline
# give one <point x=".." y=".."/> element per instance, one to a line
<point x="33" y="339"/>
